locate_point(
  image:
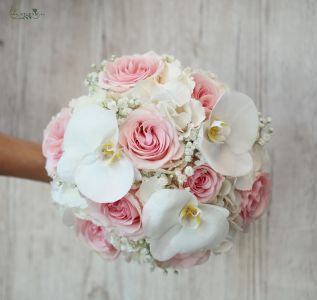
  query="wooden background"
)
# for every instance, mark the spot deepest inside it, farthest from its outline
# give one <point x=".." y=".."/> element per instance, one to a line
<point x="265" y="48"/>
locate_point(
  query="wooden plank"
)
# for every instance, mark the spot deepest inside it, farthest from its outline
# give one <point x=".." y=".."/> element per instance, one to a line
<point x="264" y="48"/>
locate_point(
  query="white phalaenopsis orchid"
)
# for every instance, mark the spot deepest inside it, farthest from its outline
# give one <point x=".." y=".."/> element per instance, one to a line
<point x="176" y="223"/>
<point x="225" y="140"/>
<point x="91" y="159"/>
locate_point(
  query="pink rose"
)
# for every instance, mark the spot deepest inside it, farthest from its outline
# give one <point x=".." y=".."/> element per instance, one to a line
<point x="149" y="139"/>
<point x="53" y="140"/>
<point x="207" y="91"/>
<point x="255" y="201"/>
<point x="124" y="215"/>
<point x="95" y="238"/>
<point x="123" y="73"/>
<point x="185" y="260"/>
<point x="204" y="183"/>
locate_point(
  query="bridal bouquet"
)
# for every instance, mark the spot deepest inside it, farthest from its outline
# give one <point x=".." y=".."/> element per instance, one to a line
<point x="158" y="163"/>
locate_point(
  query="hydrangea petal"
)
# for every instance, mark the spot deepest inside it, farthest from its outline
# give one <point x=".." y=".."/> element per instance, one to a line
<point x="148" y="187"/>
<point x="68" y="195"/>
<point x="245" y="182"/>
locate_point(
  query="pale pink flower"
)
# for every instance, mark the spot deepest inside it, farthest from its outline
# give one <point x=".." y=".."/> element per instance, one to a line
<point x="255" y="201"/>
<point x="186" y="260"/>
<point x="207" y="91"/>
<point x="94" y="237"/>
<point x="149" y="139"/>
<point x="124" y="72"/>
<point x="53" y="140"/>
<point x="123" y="216"/>
<point x="204" y="183"/>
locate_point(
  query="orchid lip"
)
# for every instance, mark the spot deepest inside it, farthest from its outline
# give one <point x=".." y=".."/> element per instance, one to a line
<point x="109" y="152"/>
<point x="218" y="132"/>
<point x="190" y="216"/>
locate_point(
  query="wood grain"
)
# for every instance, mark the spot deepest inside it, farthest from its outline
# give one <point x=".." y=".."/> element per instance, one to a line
<point x="265" y="48"/>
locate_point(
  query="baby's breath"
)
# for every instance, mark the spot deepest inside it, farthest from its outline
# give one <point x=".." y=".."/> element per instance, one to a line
<point x="265" y="130"/>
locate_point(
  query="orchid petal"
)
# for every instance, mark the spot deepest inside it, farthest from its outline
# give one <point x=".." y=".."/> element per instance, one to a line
<point x="259" y="157"/>
<point x="161" y="248"/>
<point x="223" y="160"/>
<point x="211" y="232"/>
<point x="169" y="236"/>
<point x="161" y="211"/>
<point x="104" y="182"/>
<point x="239" y="111"/>
<point x="68" y="163"/>
<point x="89" y="126"/>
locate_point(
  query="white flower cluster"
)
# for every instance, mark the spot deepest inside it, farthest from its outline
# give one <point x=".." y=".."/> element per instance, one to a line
<point x="265" y="130"/>
<point x="138" y="251"/>
<point x="159" y="163"/>
<point x="91" y="81"/>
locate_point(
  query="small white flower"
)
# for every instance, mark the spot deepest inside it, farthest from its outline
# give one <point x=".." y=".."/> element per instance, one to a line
<point x="112" y="105"/>
<point x="188" y="158"/>
<point x="123" y="102"/>
<point x="189" y="171"/>
<point x="132" y="103"/>
<point x="181" y="178"/>
<point x="178" y="172"/>
<point x="163" y="180"/>
<point x="189" y="152"/>
<point x="125" y="111"/>
<point x="137" y="102"/>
